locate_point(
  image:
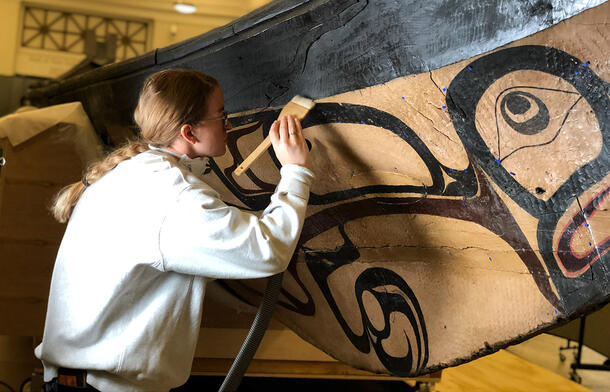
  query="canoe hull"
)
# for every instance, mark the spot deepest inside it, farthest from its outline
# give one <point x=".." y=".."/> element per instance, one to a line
<point x="455" y="211"/>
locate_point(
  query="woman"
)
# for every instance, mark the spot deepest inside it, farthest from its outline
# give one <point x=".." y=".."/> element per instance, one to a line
<point x="145" y="235"/>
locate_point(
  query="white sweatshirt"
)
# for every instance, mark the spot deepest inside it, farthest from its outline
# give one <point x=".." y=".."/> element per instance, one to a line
<point x="130" y="275"/>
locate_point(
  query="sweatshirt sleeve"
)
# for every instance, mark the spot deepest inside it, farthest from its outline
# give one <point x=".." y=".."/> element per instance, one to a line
<point x="201" y="235"/>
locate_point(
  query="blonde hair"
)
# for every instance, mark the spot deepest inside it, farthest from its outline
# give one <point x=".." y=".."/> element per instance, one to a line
<point x="168" y="100"/>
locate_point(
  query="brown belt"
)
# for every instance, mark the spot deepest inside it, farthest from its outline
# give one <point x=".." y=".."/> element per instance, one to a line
<point x="72" y="377"/>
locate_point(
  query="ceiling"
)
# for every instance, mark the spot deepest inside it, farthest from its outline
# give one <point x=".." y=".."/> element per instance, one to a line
<point x="222" y="8"/>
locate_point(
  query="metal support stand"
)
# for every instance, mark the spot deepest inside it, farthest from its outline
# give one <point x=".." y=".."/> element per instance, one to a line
<point x="562" y="357"/>
<point x="578" y="364"/>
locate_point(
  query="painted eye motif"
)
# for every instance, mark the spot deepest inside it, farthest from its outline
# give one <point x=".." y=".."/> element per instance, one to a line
<point x="538" y="115"/>
<point x="530" y="119"/>
<point x="557" y="173"/>
<point x="524" y="112"/>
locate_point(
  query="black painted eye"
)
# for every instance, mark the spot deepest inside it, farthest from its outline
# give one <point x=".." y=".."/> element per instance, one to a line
<point x="516" y="103"/>
<point x="532" y="112"/>
<point x="527" y="117"/>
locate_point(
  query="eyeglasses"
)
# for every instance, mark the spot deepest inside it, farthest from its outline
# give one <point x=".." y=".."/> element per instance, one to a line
<point x="224" y="117"/>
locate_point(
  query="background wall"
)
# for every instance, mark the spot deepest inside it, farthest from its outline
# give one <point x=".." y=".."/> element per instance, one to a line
<point x="17" y="361"/>
<point x="166" y="27"/>
<point x="20" y="67"/>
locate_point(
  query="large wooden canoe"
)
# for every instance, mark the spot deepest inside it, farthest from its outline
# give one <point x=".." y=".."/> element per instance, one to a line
<point x="461" y="152"/>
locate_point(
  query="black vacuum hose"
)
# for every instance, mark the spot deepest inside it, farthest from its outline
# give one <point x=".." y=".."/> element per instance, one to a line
<point x="257" y="330"/>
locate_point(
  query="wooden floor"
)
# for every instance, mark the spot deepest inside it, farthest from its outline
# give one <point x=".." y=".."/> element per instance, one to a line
<point x="531" y="366"/>
<point x="504" y="371"/>
<point x="543" y="350"/>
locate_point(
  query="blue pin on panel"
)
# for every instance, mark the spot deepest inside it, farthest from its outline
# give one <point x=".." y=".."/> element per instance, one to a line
<point x="585" y="64"/>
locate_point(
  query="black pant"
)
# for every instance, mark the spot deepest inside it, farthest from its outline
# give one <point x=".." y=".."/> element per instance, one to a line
<point x="54" y="386"/>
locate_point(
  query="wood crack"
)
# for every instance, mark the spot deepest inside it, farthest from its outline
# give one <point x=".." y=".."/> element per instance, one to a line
<point x="331" y="30"/>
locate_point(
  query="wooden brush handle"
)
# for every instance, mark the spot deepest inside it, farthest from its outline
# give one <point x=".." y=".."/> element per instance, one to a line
<point x="291" y="109"/>
<point x="253" y="156"/>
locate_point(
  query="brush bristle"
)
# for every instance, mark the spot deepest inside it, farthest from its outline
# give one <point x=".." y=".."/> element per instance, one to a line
<point x="305" y="102"/>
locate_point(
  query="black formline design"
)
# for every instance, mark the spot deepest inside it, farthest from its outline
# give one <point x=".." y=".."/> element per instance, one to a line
<point x="463" y="95"/>
<point x="472" y="187"/>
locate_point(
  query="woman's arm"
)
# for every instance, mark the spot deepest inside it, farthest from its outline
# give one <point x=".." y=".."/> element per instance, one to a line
<point x="201" y="235"/>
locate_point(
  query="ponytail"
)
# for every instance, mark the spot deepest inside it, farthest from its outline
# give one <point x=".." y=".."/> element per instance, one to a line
<point x="66" y="199"/>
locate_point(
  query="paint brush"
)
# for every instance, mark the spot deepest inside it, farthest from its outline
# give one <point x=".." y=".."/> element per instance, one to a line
<point x="298" y="107"/>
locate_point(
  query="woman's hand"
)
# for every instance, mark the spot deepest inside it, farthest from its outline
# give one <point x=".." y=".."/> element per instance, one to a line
<point x="288" y="141"/>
